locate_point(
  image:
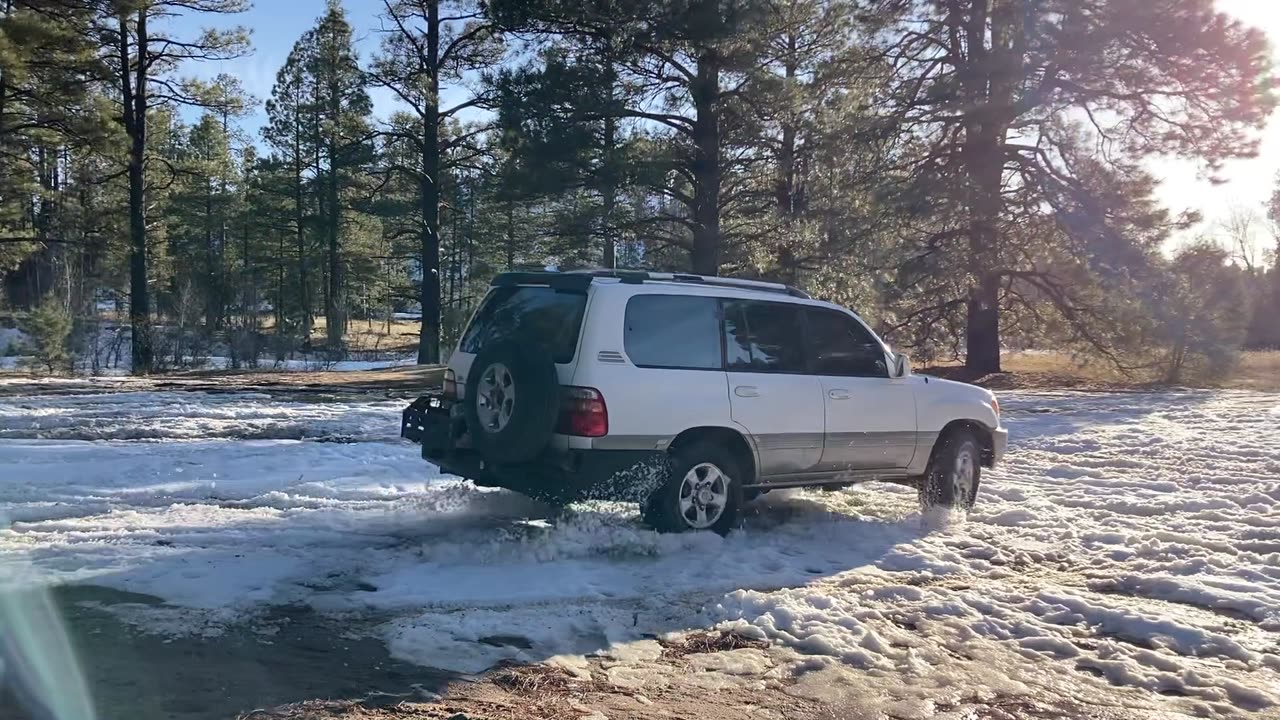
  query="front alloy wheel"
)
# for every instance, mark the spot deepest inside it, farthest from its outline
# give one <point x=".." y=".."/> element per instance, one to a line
<point x="954" y="473"/>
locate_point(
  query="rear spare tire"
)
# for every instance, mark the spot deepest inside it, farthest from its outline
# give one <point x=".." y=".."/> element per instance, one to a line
<point x="512" y="400"/>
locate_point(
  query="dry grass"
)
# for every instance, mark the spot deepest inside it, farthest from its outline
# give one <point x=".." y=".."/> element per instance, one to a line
<point x="348" y="710"/>
<point x="709" y="642"/>
<point x="363" y="335"/>
<point x="1258" y="371"/>
<point x="533" y="680"/>
<point x="376" y="336"/>
<point x="1048" y="370"/>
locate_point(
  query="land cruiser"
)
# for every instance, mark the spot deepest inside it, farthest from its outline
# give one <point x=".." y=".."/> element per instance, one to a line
<point x="692" y="395"/>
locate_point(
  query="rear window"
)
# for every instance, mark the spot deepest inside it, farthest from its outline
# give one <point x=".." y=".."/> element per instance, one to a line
<point x="533" y="312"/>
<point x="673" y="331"/>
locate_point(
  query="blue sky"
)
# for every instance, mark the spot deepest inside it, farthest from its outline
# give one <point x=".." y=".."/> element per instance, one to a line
<point x="275" y="26"/>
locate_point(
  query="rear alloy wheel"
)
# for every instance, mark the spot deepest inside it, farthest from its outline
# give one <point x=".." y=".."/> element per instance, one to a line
<point x="703" y="491"/>
<point x="954" y="473"/>
<point x="511" y="401"/>
<point x="495" y="397"/>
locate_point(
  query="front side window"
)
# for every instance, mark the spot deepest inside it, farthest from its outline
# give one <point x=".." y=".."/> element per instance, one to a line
<point x="537" y="313"/>
<point x="839" y="345"/>
<point x="763" y="337"/>
<point x="673" y="331"/>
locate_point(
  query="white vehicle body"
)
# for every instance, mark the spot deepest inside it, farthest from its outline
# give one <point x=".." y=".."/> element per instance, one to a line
<point x="810" y="422"/>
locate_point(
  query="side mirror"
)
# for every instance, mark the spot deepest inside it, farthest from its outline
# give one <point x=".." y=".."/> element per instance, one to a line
<point x="901" y="365"/>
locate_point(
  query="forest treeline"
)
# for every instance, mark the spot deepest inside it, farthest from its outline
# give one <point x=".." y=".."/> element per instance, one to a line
<point x="970" y="175"/>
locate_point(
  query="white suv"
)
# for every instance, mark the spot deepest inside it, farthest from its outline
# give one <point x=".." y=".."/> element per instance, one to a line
<point x="692" y="395"/>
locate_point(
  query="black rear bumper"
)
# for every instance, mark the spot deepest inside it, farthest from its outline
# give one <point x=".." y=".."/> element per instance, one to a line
<point x="559" y="476"/>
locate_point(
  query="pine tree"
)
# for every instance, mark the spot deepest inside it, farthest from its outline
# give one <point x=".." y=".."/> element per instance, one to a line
<point x="1009" y="99"/>
<point x="142" y="59"/>
<point x="47" y="115"/>
<point x="288" y="131"/>
<point x="49" y="326"/>
<point x="424" y="51"/>
<point x="342" y="144"/>
<point x="814" y="213"/>
<point x="684" y="64"/>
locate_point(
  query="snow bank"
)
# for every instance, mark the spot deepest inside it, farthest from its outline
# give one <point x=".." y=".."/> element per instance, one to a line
<point x="194" y="415"/>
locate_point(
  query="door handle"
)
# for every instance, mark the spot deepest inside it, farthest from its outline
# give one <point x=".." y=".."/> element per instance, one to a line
<point x="838" y="394"/>
<point x="746" y="391"/>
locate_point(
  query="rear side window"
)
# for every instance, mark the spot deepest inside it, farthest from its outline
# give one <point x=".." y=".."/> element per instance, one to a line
<point x="763" y="337"/>
<point x="529" y="312"/>
<point x="673" y="331"/>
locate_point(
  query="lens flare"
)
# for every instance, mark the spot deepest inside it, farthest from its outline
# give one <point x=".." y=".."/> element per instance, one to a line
<point x="37" y="661"/>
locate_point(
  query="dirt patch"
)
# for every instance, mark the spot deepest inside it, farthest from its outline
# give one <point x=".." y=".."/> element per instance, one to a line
<point x="548" y="693"/>
<point x="405" y="377"/>
<point x="404" y="381"/>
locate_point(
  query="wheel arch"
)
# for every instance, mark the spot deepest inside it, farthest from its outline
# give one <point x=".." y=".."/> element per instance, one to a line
<point x="731" y="438"/>
<point x="979" y="430"/>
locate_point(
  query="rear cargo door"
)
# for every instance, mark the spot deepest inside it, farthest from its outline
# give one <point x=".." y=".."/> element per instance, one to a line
<point x="538" y="313"/>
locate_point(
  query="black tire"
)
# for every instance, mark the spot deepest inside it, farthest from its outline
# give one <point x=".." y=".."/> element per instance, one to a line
<point x="534" y="402"/>
<point x="942" y="485"/>
<point x="663" y="512"/>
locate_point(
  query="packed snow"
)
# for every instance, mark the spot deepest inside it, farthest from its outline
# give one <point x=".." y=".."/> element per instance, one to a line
<point x="1128" y="549"/>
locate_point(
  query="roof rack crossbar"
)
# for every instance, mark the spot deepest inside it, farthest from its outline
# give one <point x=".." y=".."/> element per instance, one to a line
<point x="636" y="277"/>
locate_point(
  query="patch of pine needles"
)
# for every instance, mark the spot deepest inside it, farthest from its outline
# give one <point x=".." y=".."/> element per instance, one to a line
<point x="709" y="642"/>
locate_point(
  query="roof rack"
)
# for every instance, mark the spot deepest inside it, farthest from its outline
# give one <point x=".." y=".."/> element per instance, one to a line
<point x="579" y="279"/>
<point x="640" y="276"/>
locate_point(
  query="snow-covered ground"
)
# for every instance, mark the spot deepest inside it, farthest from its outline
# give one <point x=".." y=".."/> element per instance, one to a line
<point x="1126" y="555"/>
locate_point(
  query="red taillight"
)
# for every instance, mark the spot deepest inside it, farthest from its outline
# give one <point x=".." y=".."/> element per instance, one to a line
<point x="582" y="413"/>
<point x="450" y="384"/>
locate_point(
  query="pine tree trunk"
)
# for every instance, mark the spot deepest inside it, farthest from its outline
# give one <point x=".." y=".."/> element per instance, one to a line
<point x="785" y="191"/>
<point x="135" y="110"/>
<point x="335" y="304"/>
<point x="511" y="234"/>
<point x="982" y="338"/>
<point x="609" y="188"/>
<point x="211" y="280"/>
<point x="705" y="254"/>
<point x="429" y="197"/>
<point x="987" y="81"/>
<point x="299" y="216"/>
<point x="279" y="303"/>
<point x="609" y="197"/>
